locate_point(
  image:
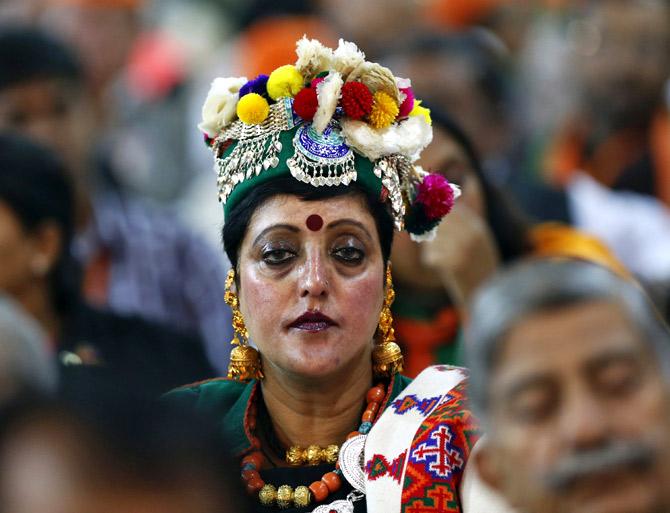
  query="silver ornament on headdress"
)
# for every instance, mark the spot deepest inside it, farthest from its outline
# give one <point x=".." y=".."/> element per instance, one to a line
<point x="395" y="172"/>
<point x="257" y="149"/>
<point x="322" y="159"/>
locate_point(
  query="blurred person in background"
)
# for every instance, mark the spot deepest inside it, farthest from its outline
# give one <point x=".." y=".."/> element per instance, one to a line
<point x="38" y="272"/>
<point x="570" y="375"/>
<point x="464" y="74"/>
<point x="26" y="365"/>
<point x="137" y="76"/>
<point x="620" y="69"/>
<point x="110" y="454"/>
<point x="436" y="279"/>
<point x="611" y="154"/>
<point x="136" y="260"/>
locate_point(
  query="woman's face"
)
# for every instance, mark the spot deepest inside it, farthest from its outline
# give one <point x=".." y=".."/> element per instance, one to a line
<point x="311" y="278"/>
<point x="445" y="156"/>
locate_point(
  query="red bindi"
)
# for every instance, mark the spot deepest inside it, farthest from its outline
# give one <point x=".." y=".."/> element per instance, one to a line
<point x="314" y="222"/>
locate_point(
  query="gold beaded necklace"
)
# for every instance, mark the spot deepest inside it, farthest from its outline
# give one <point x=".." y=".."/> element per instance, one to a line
<point x="311" y="455"/>
<point x="286" y="496"/>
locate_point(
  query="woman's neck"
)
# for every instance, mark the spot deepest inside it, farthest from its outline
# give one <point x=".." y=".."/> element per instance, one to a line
<point x="320" y="412"/>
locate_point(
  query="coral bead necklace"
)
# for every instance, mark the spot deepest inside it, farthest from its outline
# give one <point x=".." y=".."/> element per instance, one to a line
<point x="285" y="496"/>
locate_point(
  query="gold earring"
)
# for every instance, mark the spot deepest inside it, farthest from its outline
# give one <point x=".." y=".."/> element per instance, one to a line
<point x="245" y="362"/>
<point x="387" y="357"/>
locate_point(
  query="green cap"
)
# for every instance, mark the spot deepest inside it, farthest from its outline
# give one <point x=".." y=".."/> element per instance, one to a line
<point x="289" y="139"/>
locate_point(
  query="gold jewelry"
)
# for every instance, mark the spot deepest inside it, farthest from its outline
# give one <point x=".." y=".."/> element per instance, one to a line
<point x="311" y="455"/>
<point x="387" y="357"/>
<point x="284" y="496"/>
<point x="318" y="491"/>
<point x="245" y="362"/>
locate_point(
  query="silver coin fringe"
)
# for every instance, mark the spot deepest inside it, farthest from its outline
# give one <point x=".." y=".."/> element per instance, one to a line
<point x="257" y="149"/>
<point x="322" y="172"/>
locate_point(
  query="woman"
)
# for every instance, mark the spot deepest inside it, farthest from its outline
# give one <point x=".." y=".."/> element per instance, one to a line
<point x="485" y="230"/>
<point x="315" y="171"/>
<point x="38" y="272"/>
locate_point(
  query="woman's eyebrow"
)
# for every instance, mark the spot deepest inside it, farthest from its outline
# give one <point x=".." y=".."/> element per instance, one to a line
<point x="281" y="226"/>
<point x="353" y="222"/>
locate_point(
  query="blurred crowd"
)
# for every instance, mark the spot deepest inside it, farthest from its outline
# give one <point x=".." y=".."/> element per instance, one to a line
<point x="552" y="115"/>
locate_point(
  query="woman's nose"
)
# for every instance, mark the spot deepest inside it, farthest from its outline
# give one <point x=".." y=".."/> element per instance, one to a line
<point x="313" y="279"/>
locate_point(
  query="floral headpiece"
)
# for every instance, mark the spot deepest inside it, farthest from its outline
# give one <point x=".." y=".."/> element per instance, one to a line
<point x="329" y="119"/>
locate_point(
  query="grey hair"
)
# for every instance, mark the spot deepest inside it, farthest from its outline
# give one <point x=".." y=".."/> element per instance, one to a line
<point x="536" y="285"/>
<point x="25" y="362"/>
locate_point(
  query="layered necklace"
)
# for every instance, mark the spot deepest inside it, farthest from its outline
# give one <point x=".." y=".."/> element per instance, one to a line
<point x="285" y="496"/>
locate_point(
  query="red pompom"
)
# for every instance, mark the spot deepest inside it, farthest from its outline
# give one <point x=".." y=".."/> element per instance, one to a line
<point x="356" y="100"/>
<point x="305" y="103"/>
<point x="436" y="196"/>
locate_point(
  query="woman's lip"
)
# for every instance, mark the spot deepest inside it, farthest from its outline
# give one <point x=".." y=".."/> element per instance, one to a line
<point x="313" y="321"/>
<point x="313" y="327"/>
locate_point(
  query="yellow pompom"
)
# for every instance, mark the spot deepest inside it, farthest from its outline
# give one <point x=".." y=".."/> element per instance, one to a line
<point x="284" y="81"/>
<point x="253" y="109"/>
<point x="418" y="110"/>
<point x="384" y="110"/>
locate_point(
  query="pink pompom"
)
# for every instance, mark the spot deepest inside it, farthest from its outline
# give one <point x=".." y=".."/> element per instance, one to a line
<point x="408" y="104"/>
<point x="436" y="196"/>
<point x="316" y="82"/>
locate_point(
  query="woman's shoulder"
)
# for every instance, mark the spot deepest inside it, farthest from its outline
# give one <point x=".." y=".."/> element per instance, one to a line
<point x="211" y="395"/>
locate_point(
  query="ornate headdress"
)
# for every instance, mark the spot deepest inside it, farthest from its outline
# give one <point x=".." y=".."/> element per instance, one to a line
<point x="331" y="118"/>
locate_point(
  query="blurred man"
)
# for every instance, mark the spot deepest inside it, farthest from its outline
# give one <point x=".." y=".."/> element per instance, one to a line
<point x="137" y="77"/>
<point x="570" y="373"/>
<point x="611" y="155"/>
<point x="619" y="131"/>
<point x="136" y="260"/>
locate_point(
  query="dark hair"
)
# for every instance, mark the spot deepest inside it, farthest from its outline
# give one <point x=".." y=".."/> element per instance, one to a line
<point x="34" y="185"/>
<point x="508" y="223"/>
<point x="238" y="220"/>
<point x="28" y="53"/>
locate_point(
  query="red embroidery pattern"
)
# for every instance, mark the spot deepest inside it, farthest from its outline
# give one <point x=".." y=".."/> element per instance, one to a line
<point x="379" y="466"/>
<point x="435" y="463"/>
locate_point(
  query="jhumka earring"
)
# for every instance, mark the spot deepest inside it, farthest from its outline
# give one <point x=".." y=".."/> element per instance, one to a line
<point x="386" y="355"/>
<point x="245" y="362"/>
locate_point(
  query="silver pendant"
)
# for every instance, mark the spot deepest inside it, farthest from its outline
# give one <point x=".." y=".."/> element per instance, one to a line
<point x="340" y="506"/>
<point x="352" y="462"/>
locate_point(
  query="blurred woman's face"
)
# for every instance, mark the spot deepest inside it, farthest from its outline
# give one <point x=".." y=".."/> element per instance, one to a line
<point x="444" y="156"/>
<point x="18" y="253"/>
<point x="311" y="278"/>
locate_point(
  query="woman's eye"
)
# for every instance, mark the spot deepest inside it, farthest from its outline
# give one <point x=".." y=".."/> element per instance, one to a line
<point x="348" y="254"/>
<point x="277" y="256"/>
